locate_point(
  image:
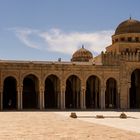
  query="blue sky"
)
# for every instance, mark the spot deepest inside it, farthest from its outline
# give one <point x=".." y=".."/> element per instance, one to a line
<point x="50" y="29"/>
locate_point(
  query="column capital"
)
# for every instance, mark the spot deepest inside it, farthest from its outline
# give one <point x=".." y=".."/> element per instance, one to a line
<point x="83" y="84"/>
<point x="83" y="91"/>
<point x="119" y="88"/>
<point x="41" y="89"/>
<point x="103" y="87"/>
<point x="20" y="84"/>
<point x="129" y="85"/>
<point x="63" y="88"/>
<point x="19" y="89"/>
<point x="83" y="87"/>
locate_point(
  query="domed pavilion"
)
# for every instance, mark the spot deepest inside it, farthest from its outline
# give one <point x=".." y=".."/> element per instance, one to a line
<point x="126" y="37"/>
<point x="82" y="55"/>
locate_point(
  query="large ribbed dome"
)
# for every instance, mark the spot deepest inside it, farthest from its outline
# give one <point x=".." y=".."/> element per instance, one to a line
<point x="82" y="55"/>
<point x="128" y="26"/>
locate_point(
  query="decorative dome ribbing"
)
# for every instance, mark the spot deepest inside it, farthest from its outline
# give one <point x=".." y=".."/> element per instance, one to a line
<point x="82" y="55"/>
<point x="128" y="26"/>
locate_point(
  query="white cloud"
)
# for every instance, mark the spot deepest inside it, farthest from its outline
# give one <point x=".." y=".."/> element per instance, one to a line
<point x="25" y="36"/>
<point x="55" y="40"/>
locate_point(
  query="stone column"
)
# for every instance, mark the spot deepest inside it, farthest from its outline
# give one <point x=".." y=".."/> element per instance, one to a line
<point x="128" y="95"/>
<point x="118" y="97"/>
<point x="57" y="94"/>
<point x="57" y="100"/>
<point x="82" y="100"/>
<point x="19" y="97"/>
<point x="103" y="88"/>
<point x="62" y="97"/>
<point x="41" y="99"/>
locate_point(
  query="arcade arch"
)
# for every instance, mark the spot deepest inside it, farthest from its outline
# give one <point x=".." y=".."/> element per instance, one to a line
<point x="134" y="93"/>
<point x="72" y="93"/>
<point x="10" y="93"/>
<point x="92" y="92"/>
<point x="111" y="96"/>
<point x="52" y="91"/>
<point x="30" y="92"/>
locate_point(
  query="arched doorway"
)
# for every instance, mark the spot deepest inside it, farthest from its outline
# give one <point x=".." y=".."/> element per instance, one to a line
<point x="135" y="89"/>
<point x="111" y="97"/>
<point x="93" y="92"/>
<point x="30" y="92"/>
<point x="52" y="90"/>
<point x="72" y="94"/>
<point x="10" y="93"/>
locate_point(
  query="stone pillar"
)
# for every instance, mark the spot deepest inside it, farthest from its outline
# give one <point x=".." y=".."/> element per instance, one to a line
<point x="58" y="99"/>
<point x="103" y="97"/>
<point x="118" y="97"/>
<point x="96" y="94"/>
<point x="41" y="99"/>
<point x="57" y="93"/>
<point x="124" y="95"/>
<point x="128" y="95"/>
<point x="62" y="97"/>
<point x="82" y="99"/>
<point x="19" y="97"/>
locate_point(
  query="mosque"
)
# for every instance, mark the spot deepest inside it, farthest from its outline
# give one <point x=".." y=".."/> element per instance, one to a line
<point x="110" y="80"/>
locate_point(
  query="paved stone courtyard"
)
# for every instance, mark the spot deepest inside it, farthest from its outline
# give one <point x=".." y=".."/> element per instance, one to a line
<point x="132" y="123"/>
<point x="59" y="126"/>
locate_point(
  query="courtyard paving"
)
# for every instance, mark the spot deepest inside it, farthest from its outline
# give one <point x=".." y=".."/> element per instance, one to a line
<point x="111" y="118"/>
<point x="37" y="125"/>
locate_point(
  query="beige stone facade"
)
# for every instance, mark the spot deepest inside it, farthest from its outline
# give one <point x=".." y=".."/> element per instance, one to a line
<point x="110" y="80"/>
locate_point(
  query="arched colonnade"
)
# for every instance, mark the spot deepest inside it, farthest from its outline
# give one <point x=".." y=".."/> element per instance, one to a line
<point x="51" y="93"/>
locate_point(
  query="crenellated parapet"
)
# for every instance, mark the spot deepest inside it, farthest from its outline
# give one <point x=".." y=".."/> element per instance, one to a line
<point x="130" y="56"/>
<point x="112" y="58"/>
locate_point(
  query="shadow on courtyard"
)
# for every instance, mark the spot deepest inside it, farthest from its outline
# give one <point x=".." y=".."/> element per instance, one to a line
<point x="79" y="110"/>
<point x="105" y="117"/>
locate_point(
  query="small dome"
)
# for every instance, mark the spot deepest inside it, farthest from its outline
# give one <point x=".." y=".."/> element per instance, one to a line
<point x="82" y="55"/>
<point x="128" y="26"/>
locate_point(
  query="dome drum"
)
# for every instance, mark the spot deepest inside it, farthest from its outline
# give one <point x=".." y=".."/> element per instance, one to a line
<point x="130" y="37"/>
